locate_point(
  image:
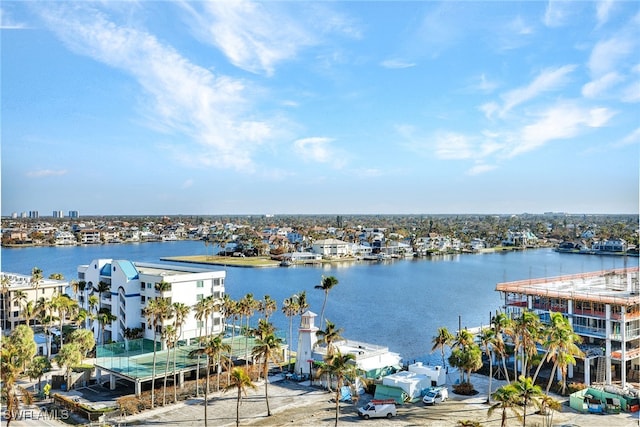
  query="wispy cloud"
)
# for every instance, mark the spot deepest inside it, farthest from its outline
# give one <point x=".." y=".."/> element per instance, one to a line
<point x="187" y="184"/>
<point x="548" y="80"/>
<point x="561" y="121"/>
<point x="601" y="86"/>
<point x="607" y="54"/>
<point x="557" y="12"/>
<point x="630" y="139"/>
<point x="254" y="36"/>
<point x="7" y="22"/>
<point x="480" y="169"/>
<point x="318" y="149"/>
<point x="603" y="10"/>
<point x="181" y="97"/>
<point x="45" y="173"/>
<point x="451" y="145"/>
<point x="397" y="63"/>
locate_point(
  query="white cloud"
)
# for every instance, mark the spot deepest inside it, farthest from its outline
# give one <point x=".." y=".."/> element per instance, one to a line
<point x="480" y="169"/>
<point x="254" y="36"/>
<point x="182" y="97"/>
<point x="397" y="63"/>
<point x="603" y="9"/>
<point x="606" y="55"/>
<point x="547" y="80"/>
<point x="7" y="22"/>
<point x="601" y="86"/>
<point x="631" y="93"/>
<point x="316" y="149"/>
<point x="520" y="27"/>
<point x="187" y="184"/>
<point x="561" y="121"/>
<point x="558" y="12"/>
<point x="630" y="139"/>
<point x="453" y="146"/>
<point x="44" y="173"/>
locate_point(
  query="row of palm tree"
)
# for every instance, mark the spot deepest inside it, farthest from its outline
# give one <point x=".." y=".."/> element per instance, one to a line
<point x="522" y="337"/>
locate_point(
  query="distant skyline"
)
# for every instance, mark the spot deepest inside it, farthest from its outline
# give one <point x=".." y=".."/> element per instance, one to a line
<point x="346" y="107"/>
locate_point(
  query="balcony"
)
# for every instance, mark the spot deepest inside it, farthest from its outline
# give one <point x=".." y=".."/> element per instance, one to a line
<point x="589" y="331"/>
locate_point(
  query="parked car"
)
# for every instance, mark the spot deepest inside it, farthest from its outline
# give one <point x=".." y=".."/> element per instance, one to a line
<point x="378" y="409"/>
<point x="435" y="395"/>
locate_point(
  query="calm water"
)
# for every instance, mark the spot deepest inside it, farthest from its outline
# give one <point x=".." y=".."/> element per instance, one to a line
<point x="398" y="303"/>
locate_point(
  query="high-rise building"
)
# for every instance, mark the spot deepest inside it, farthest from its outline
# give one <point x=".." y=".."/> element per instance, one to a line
<point x="125" y="289"/>
<point x="34" y="214"/>
<point x="74" y="214"/>
<point x="58" y="214"/>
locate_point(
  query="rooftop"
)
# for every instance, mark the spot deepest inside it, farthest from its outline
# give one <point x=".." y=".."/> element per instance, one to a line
<point x="618" y="286"/>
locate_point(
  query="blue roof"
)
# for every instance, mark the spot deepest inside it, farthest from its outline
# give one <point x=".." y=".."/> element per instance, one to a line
<point x="106" y="270"/>
<point x="128" y="269"/>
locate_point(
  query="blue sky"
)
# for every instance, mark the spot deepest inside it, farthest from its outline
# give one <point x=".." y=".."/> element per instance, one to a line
<point x="159" y="107"/>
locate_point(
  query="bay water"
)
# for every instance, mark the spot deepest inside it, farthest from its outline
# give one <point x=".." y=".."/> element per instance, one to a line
<point x="397" y="303"/>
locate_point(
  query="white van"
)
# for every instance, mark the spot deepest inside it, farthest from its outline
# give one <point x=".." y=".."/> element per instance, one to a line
<point x="435" y="395"/>
<point x="378" y="409"/>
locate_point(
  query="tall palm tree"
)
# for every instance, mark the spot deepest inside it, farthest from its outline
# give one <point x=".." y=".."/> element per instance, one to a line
<point x="241" y="381"/>
<point x="267" y="306"/>
<point x="29" y="311"/>
<point x="441" y="341"/>
<point x="64" y="305"/>
<point x="326" y="284"/>
<point x="502" y="323"/>
<point x="180" y="311"/>
<point x="153" y="313"/>
<point x="169" y="339"/>
<point x="340" y="366"/>
<point x="248" y="305"/>
<point x="36" y="279"/>
<point x="290" y="309"/>
<point x="487" y="339"/>
<point x="104" y="317"/>
<point x="267" y="348"/>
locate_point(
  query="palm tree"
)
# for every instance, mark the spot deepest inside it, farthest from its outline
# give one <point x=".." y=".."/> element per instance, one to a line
<point x="267" y="348"/>
<point x="547" y="406"/>
<point x="153" y="313"/>
<point x="487" y="339"/>
<point x="501" y="323"/>
<point x="180" y="311"/>
<point x="64" y="305"/>
<point x="214" y="349"/>
<point x="29" y="311"/>
<point x="340" y="366"/>
<point x="326" y="284"/>
<point x="442" y="340"/>
<point x="169" y="339"/>
<point x="267" y="306"/>
<point x="329" y="336"/>
<point x="240" y="380"/>
<point x="505" y="398"/>
<point x="248" y="306"/>
<point x="36" y="279"/>
<point x="102" y="288"/>
<point x="68" y="357"/>
<point x="104" y="317"/>
<point x="526" y="392"/>
<point x="290" y="309"/>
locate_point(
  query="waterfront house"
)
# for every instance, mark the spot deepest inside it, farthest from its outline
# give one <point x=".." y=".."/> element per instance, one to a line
<point x="331" y="248"/>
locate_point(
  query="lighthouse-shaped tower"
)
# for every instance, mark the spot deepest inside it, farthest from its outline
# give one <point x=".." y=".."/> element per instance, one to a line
<point x="306" y="342"/>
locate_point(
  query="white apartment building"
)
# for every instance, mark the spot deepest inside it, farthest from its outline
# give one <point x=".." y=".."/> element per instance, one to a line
<point x="11" y="306"/>
<point x="131" y="285"/>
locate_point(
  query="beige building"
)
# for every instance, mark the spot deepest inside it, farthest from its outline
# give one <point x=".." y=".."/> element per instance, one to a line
<point x="17" y="290"/>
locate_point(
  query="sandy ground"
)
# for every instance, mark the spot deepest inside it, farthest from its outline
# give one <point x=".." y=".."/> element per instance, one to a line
<point x="297" y="404"/>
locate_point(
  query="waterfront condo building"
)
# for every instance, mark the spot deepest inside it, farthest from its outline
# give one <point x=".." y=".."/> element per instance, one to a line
<point x="124" y="288"/>
<point x="18" y="290"/>
<point x="604" y="309"/>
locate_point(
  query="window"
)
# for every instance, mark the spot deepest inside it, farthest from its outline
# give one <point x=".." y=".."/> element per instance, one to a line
<point x="199" y="297"/>
<point x="142" y="299"/>
<point x="148" y="285"/>
<point x="200" y="284"/>
<point x="200" y="324"/>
